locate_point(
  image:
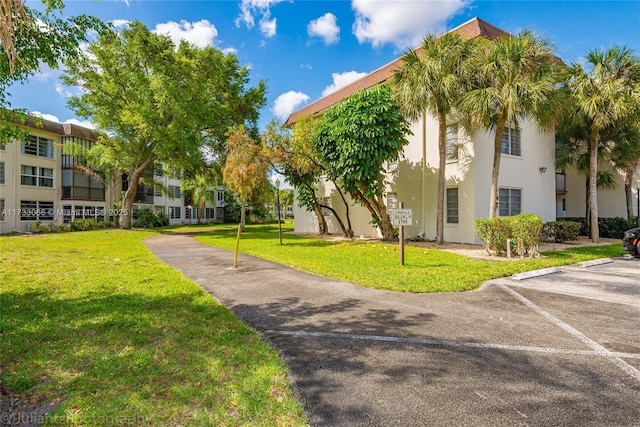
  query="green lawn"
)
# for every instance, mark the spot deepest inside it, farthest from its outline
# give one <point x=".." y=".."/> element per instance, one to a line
<point x="92" y="322"/>
<point x="375" y="265"/>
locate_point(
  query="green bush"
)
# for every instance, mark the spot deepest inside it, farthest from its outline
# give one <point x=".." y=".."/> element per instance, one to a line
<point x="88" y="224"/>
<point x="523" y="230"/>
<point x="611" y="228"/>
<point x="146" y="218"/>
<point x="561" y="231"/>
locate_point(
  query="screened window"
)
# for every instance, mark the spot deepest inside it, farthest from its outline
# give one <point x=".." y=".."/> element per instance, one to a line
<point x="209" y="213"/>
<point x="452" y="206"/>
<point x="175" y="212"/>
<point x="509" y="201"/>
<point x="1" y="172"/>
<point x="37" y="177"/>
<point x="452" y="142"/>
<point x="36" y="211"/>
<point x="38" y="146"/>
<point x="174" y="192"/>
<point x="511" y="142"/>
<point x="80" y="186"/>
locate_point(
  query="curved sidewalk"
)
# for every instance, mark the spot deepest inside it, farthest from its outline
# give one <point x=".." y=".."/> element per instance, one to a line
<point x="504" y="355"/>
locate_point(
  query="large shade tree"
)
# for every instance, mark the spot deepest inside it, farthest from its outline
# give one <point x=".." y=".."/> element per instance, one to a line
<point x="604" y="92"/>
<point x="158" y="102"/>
<point x="516" y="78"/>
<point x="29" y="39"/>
<point x="355" y="138"/>
<point x="433" y="80"/>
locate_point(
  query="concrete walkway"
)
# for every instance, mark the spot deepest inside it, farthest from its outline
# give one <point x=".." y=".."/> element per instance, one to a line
<point x="511" y="354"/>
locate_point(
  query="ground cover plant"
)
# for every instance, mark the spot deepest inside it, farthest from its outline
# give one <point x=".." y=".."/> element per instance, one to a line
<point x="99" y="332"/>
<point x="374" y="264"/>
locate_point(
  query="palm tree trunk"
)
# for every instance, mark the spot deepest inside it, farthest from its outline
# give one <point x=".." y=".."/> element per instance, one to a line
<point x="594" y="232"/>
<point x="442" y="150"/>
<point x="495" y="173"/>
<point x="628" y="190"/>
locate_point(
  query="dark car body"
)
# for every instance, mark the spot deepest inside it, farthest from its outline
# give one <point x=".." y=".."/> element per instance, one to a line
<point x="631" y="241"/>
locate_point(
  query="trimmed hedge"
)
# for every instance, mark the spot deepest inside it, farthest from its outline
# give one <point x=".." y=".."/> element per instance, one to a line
<point x="610" y="228"/>
<point x="561" y="231"/>
<point x="523" y="230"/>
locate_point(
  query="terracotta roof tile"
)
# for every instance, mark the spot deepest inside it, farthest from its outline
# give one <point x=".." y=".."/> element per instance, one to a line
<point x="476" y="27"/>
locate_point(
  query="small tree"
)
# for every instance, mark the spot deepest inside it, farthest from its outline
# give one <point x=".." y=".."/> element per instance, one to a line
<point x="355" y="138"/>
<point x="245" y="168"/>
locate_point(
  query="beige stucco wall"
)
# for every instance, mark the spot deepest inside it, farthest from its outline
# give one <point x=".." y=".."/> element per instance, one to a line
<point x="611" y="202"/>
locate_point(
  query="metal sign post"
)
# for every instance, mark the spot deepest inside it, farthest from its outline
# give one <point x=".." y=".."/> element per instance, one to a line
<point x="400" y="218"/>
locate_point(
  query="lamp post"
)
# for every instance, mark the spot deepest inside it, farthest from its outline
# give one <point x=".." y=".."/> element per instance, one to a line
<point x="277" y="183"/>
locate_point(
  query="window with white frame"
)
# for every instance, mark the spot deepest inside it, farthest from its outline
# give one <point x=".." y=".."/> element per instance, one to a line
<point x="37" y="146"/>
<point x="31" y="210"/>
<point x="174" y="192"/>
<point x="175" y="212"/>
<point x="509" y="201"/>
<point x="209" y="213"/>
<point x="452" y="142"/>
<point x="158" y="169"/>
<point x="452" y="206"/>
<point x="392" y="201"/>
<point x="511" y="144"/>
<point x="35" y="176"/>
<point x="220" y="197"/>
<point x="1" y="172"/>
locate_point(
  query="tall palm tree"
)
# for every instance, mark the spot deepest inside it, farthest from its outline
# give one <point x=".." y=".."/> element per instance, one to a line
<point x="625" y="156"/>
<point x="432" y="79"/>
<point x="606" y="91"/>
<point x="198" y="187"/>
<point x="516" y="79"/>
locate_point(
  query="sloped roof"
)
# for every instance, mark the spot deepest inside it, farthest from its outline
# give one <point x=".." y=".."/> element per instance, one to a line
<point x="66" y="129"/>
<point x="473" y="28"/>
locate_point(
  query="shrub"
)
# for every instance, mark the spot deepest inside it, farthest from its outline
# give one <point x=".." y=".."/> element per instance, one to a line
<point x="562" y="231"/>
<point x="614" y="228"/>
<point x="523" y="230"/>
<point x="146" y="218"/>
<point x="88" y="224"/>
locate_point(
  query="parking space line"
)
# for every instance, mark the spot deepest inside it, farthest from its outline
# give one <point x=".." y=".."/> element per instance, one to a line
<point x="635" y="373"/>
<point x="447" y="343"/>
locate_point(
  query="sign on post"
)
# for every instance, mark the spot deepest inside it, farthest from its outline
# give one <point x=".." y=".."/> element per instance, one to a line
<point x="401" y="217"/>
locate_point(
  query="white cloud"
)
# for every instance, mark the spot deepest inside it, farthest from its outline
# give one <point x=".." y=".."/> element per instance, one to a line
<point x="286" y="103"/>
<point x="228" y="50"/>
<point x="325" y="27"/>
<point x="340" y="80"/>
<point x="120" y="23"/>
<point x="262" y="8"/>
<point x="402" y="23"/>
<point x="200" y="34"/>
<point x="44" y="116"/>
<point x="306" y="66"/>
<point x="63" y="91"/>
<point x="268" y="26"/>
<point x="84" y="123"/>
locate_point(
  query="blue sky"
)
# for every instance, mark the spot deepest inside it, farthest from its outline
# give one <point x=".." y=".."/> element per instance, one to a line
<point x="306" y="48"/>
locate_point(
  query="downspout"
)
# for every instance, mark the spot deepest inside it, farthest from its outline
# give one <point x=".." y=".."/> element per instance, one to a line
<point x="424" y="171"/>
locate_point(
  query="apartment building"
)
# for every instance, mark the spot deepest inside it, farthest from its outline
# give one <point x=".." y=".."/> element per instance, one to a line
<point x="38" y="182"/>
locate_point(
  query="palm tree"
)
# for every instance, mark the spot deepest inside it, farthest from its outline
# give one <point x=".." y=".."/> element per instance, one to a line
<point x="625" y="156"/>
<point x="198" y="187"/>
<point x="432" y="80"/>
<point x="516" y="79"/>
<point x="602" y="90"/>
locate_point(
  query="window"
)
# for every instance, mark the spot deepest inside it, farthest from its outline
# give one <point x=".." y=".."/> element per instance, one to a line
<point x="36" y="211"/>
<point x="327" y="202"/>
<point x="38" y="146"/>
<point x="174" y="192"/>
<point x="77" y="185"/>
<point x="209" y="213"/>
<point x="1" y="209"/>
<point x="158" y="209"/>
<point x="452" y="206"/>
<point x="392" y="201"/>
<point x="80" y="147"/>
<point x="511" y="142"/>
<point x="37" y="177"/>
<point x="3" y="147"/>
<point x="1" y="172"/>
<point x="158" y="169"/>
<point x="392" y="165"/>
<point x="509" y="201"/>
<point x="67" y="211"/>
<point x="220" y="197"/>
<point x="452" y="142"/>
<point x="158" y="190"/>
<point x="174" y="212"/>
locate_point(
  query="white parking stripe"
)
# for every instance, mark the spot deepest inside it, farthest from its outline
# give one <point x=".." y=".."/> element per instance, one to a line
<point x="635" y="373"/>
<point x="448" y="343"/>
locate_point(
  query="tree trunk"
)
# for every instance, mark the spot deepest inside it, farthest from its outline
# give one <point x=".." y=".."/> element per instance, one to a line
<point x="495" y="172"/>
<point x="349" y="233"/>
<point x="243" y="216"/>
<point x="322" y="223"/>
<point x="442" y="150"/>
<point x="345" y="233"/>
<point x="129" y="196"/>
<point x="593" y="186"/>
<point x="628" y="190"/>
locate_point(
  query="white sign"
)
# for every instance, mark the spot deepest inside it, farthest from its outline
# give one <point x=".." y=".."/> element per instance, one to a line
<point x="401" y="217"/>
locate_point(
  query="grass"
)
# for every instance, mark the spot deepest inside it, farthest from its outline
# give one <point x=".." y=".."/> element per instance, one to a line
<point x="95" y="326"/>
<point x="376" y="265"/>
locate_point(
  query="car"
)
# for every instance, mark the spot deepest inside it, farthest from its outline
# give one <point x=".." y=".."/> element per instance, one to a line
<point x="631" y="241"/>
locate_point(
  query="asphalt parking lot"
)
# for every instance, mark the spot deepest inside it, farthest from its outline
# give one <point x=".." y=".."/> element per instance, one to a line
<point x="561" y="349"/>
